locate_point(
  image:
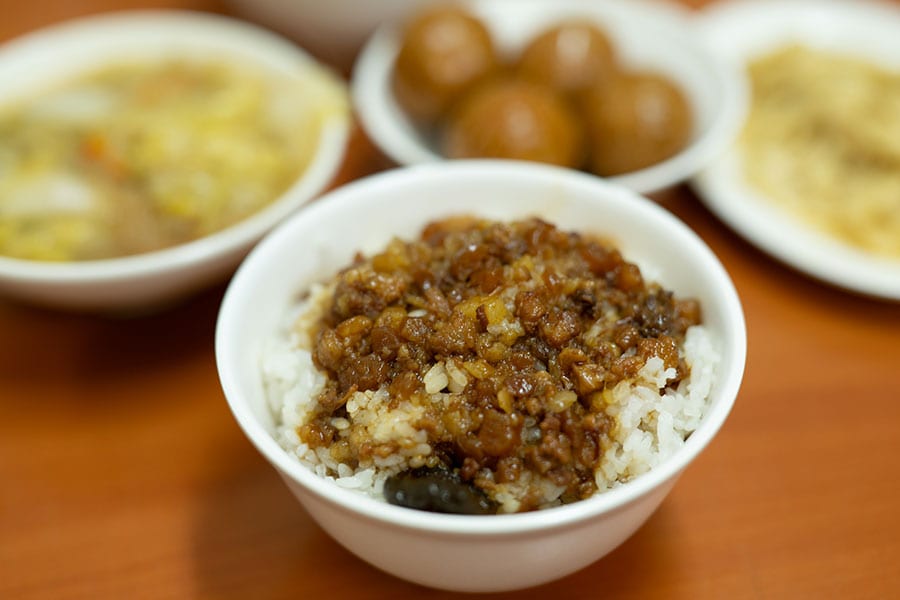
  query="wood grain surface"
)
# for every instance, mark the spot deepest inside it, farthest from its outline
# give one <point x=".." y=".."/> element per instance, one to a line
<point x="123" y="474"/>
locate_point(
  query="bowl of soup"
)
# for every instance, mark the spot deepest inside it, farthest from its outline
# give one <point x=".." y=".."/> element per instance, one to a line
<point x="143" y="153"/>
<point x="491" y="376"/>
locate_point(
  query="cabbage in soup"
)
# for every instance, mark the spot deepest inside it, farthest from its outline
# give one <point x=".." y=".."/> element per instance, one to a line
<point x="142" y="156"/>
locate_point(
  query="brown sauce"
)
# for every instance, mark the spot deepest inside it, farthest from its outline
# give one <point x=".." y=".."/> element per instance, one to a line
<point x="517" y="327"/>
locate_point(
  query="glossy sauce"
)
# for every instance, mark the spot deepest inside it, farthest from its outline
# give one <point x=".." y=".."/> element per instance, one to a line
<point x="504" y="338"/>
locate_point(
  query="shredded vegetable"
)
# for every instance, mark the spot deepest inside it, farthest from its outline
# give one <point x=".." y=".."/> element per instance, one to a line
<point x="823" y="141"/>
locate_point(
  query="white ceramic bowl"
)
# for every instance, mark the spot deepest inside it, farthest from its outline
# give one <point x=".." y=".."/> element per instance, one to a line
<point x="452" y="551"/>
<point x="33" y="62"/>
<point x="650" y="35"/>
<point x="333" y="30"/>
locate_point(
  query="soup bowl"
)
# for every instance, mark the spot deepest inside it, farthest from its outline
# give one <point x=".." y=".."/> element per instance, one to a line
<point x="50" y="58"/>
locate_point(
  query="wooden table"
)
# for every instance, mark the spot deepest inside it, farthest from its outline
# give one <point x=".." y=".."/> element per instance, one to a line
<point x="123" y="475"/>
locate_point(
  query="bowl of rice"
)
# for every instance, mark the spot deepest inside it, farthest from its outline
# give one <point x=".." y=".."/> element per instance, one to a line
<point x="143" y="153"/>
<point x="455" y="362"/>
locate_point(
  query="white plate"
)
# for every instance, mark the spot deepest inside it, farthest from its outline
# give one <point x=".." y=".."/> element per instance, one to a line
<point x="743" y="29"/>
<point x="647" y="34"/>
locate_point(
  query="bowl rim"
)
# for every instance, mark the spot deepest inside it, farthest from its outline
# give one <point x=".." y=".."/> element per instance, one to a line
<point x="342" y="200"/>
<point x="371" y="95"/>
<point x="246" y="38"/>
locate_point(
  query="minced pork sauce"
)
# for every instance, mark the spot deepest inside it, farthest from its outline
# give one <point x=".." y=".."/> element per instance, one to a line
<point x="506" y="339"/>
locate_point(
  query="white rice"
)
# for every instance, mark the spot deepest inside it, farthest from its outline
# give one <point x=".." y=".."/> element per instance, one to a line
<point x="651" y="419"/>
